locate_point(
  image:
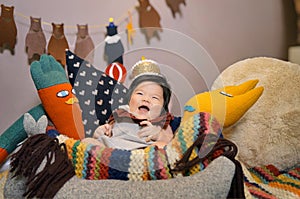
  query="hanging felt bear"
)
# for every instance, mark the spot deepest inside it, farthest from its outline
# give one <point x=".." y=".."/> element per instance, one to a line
<point x="113" y="46"/>
<point x="174" y="6"/>
<point x="35" y="41"/>
<point x="84" y="45"/>
<point x="149" y="19"/>
<point x="58" y="43"/>
<point x="8" y="29"/>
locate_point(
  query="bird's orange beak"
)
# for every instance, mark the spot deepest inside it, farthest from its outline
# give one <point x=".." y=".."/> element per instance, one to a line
<point x="72" y="100"/>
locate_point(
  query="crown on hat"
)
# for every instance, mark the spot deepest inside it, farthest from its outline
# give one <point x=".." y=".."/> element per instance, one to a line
<point x="145" y="66"/>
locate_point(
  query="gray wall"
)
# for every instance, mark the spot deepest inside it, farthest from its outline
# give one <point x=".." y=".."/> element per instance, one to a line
<point x="193" y="48"/>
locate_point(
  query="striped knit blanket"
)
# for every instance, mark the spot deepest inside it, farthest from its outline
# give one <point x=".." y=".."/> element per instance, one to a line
<point x="151" y="163"/>
<point x="267" y="182"/>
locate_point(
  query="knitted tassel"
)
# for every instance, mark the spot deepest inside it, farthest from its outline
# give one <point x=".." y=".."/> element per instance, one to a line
<point x="58" y="168"/>
<point x="226" y="147"/>
<point x="220" y="147"/>
<point x="23" y="162"/>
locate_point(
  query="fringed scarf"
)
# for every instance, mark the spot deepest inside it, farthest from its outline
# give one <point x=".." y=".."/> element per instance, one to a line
<point x="42" y="182"/>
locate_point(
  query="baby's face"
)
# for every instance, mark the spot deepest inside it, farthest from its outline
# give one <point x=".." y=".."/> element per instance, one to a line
<point x="147" y="101"/>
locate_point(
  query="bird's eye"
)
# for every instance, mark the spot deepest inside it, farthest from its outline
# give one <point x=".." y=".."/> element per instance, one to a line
<point x="62" y="93"/>
<point x="226" y="94"/>
<point x="73" y="91"/>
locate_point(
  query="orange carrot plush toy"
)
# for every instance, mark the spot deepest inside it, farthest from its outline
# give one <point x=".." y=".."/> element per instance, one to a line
<point x="56" y="94"/>
<point x="58" y="103"/>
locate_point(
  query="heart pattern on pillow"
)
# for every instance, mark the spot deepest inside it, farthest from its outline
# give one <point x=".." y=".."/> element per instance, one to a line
<point x="98" y="93"/>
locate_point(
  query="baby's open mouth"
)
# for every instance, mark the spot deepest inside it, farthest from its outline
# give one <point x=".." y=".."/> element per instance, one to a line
<point x="144" y="108"/>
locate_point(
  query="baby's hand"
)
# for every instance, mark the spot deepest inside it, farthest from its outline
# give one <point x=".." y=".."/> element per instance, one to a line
<point x="105" y="129"/>
<point x="150" y="131"/>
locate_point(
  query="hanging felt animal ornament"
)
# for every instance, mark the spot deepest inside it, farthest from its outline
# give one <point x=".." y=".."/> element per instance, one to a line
<point x="114" y="49"/>
<point x="84" y="45"/>
<point x="8" y="29"/>
<point x="58" y="43"/>
<point x="116" y="71"/>
<point x="35" y="41"/>
<point x="129" y="28"/>
<point x="149" y="19"/>
<point x="174" y="6"/>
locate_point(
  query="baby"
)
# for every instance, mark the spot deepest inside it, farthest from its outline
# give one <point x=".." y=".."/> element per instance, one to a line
<point x="144" y="121"/>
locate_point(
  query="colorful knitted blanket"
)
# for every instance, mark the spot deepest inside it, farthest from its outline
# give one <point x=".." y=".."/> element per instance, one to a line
<point x="151" y="163"/>
<point x="196" y="143"/>
<point x="267" y="182"/>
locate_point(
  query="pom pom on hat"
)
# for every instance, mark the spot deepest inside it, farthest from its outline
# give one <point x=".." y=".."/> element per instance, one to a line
<point x="145" y="66"/>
